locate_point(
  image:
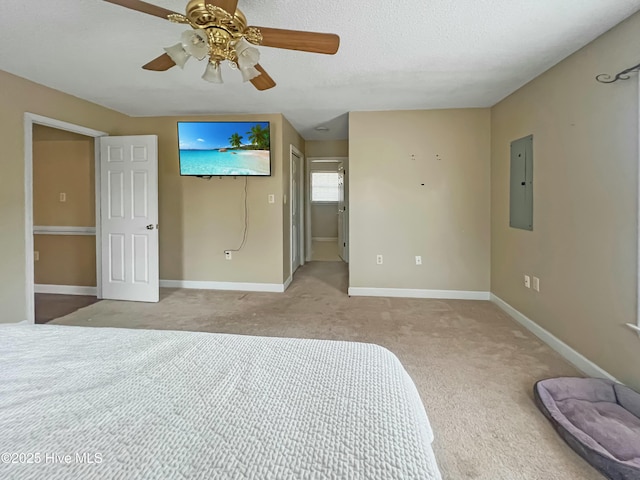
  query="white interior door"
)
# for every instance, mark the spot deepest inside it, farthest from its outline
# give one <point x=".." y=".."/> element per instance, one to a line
<point x="295" y="212"/>
<point x="129" y="218"/>
<point x="342" y="215"/>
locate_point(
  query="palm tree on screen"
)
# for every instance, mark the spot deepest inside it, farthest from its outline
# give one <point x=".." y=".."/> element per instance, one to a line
<point x="259" y="136"/>
<point x="235" y="140"/>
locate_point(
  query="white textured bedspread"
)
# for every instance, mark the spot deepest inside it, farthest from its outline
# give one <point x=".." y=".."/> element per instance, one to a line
<point x="98" y="403"/>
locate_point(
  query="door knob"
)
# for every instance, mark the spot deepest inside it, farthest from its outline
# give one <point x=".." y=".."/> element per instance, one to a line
<point x="150" y="227"/>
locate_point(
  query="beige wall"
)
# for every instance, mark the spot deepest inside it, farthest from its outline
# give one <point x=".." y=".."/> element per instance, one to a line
<point x="291" y="137"/>
<point x="327" y="148"/>
<point x="199" y="218"/>
<point x="64" y="162"/>
<point x="65" y="260"/>
<point x="324" y="221"/>
<point x="63" y="165"/>
<point x="48" y="134"/>
<point x="446" y="221"/>
<point x="583" y="244"/>
<point x="18" y="96"/>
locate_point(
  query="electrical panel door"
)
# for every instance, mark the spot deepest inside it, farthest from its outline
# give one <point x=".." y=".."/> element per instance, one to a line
<point x="521" y="188"/>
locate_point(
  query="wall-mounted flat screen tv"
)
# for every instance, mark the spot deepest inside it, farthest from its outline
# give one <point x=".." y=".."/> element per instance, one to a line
<point x="211" y="149"/>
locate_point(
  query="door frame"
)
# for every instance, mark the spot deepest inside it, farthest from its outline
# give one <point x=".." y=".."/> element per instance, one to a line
<point x="344" y="248"/>
<point x="302" y="206"/>
<point x="636" y="326"/>
<point x="31" y="119"/>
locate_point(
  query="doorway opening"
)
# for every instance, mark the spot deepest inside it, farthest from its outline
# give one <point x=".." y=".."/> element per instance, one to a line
<point x="62" y="212"/>
<point x="327" y="203"/>
<point x="64" y="218"/>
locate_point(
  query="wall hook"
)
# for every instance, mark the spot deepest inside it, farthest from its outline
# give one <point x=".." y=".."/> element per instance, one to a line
<point x="623" y="75"/>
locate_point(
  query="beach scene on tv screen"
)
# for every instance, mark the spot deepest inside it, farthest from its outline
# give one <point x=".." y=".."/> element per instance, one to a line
<point x="224" y="148"/>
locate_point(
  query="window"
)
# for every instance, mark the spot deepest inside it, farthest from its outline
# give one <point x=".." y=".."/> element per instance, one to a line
<point x="324" y="187"/>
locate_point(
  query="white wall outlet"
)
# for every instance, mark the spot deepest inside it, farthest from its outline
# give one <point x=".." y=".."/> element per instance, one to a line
<point x="284" y="199"/>
<point x="379" y="259"/>
<point x="418" y="260"/>
<point x="63" y="197"/>
<point x="272" y="198"/>
<point x="227" y="254"/>
<point x="527" y="281"/>
<point x="36" y="256"/>
<point x="536" y="284"/>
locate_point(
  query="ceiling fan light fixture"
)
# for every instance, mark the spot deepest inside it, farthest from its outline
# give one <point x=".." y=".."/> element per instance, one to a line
<point x="194" y="42"/>
<point x="221" y="33"/>
<point x="249" y="73"/>
<point x="248" y="56"/>
<point x="212" y="73"/>
<point x="178" y="54"/>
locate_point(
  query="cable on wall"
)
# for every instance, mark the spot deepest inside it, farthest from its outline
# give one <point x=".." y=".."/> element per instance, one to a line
<point x="246" y="219"/>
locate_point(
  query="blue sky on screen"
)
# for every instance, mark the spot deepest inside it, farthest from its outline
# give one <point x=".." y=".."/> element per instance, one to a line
<point x="210" y="135"/>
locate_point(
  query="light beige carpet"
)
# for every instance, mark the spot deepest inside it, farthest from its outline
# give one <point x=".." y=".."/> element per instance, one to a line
<point x="473" y="365"/>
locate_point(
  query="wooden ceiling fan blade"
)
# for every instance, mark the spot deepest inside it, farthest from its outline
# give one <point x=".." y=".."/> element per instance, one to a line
<point x="327" y="43"/>
<point x="263" y="81"/>
<point x="143" y="7"/>
<point x="229" y="6"/>
<point x="160" y="64"/>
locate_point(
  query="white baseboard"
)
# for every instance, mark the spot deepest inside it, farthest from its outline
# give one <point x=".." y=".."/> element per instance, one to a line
<point x="234" y="286"/>
<point x="288" y="282"/>
<point x="418" y="293"/>
<point x="325" y="239"/>
<point x="578" y="360"/>
<point x="66" y="290"/>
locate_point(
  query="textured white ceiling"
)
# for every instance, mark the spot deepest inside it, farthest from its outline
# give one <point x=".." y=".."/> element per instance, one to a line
<point x="394" y="54"/>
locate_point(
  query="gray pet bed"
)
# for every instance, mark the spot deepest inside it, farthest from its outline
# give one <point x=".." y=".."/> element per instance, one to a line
<point x="599" y="419"/>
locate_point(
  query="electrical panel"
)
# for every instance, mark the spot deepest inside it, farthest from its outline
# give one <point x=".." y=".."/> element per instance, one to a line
<point x="521" y="186"/>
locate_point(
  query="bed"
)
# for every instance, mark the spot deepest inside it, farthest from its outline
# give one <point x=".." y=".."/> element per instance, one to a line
<point x="92" y="403"/>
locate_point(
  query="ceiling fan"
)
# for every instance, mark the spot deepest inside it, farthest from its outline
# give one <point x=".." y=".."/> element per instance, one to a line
<point x="221" y="33"/>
